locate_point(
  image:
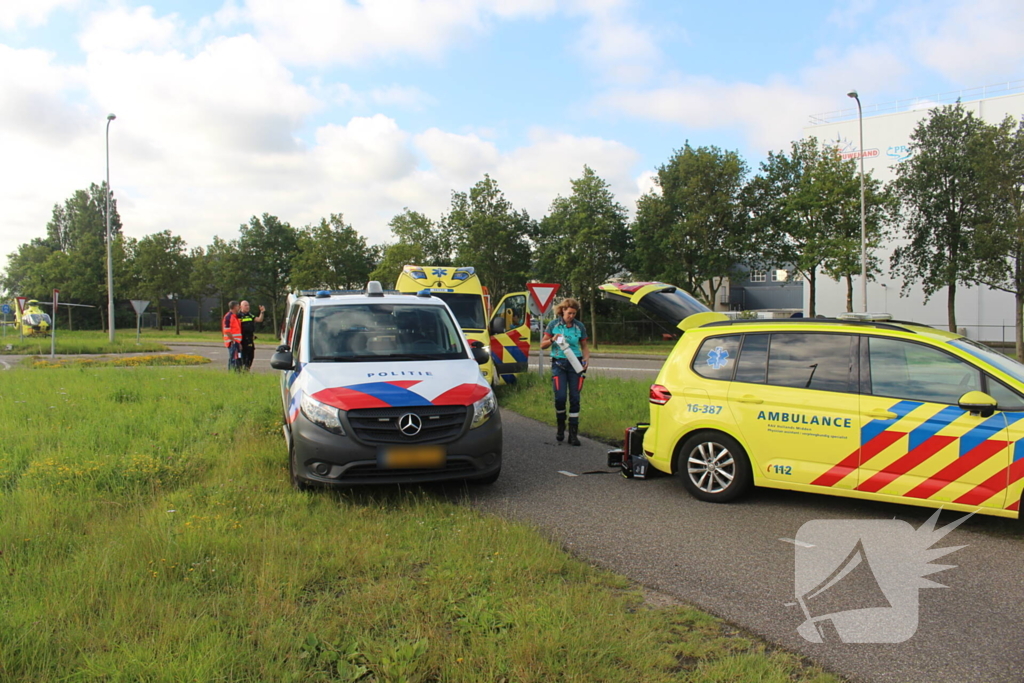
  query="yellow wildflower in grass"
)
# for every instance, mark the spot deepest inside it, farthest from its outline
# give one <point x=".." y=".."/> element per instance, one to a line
<point x="162" y="359"/>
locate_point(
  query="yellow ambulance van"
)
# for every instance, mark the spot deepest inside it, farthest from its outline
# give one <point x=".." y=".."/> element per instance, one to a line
<point x="503" y="330"/>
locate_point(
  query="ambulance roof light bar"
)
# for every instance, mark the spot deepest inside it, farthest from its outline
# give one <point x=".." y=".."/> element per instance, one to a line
<point x="864" y="317"/>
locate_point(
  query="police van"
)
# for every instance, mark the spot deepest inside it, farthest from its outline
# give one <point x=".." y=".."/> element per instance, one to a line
<point x="859" y="406"/>
<point x="381" y="388"/>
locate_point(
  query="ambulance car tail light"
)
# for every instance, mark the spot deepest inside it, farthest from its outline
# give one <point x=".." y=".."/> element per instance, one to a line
<point x="660" y="395"/>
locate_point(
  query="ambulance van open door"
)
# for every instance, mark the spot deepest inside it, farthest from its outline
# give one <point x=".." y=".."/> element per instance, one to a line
<point x="510" y="336"/>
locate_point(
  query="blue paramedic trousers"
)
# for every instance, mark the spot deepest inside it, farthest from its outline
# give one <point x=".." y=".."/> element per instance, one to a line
<point x="235" y="356"/>
<point x="566" y="381"/>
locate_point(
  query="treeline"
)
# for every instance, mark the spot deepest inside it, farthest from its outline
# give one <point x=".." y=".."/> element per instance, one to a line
<point x="956" y="210"/>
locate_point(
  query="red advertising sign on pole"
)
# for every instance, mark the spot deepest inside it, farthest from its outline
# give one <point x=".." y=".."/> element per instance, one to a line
<point x="542" y="295"/>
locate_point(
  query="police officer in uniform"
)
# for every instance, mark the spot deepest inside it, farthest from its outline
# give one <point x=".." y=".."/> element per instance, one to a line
<point x="249" y="321"/>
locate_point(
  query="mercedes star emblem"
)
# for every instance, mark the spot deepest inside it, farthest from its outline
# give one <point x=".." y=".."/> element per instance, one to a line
<point x="410" y="424"/>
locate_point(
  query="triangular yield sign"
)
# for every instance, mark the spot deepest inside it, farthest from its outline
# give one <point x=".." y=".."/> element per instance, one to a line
<point x="543" y="294"/>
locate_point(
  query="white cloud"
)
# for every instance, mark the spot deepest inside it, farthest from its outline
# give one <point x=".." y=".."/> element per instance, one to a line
<point x="123" y="29"/>
<point x="407" y="96"/>
<point x="339" y="31"/>
<point x="203" y="142"/>
<point x="771" y="115"/>
<point x="460" y="158"/>
<point x="609" y="41"/>
<point x="848" y="14"/>
<point x="30" y="12"/>
<point x="973" y="42"/>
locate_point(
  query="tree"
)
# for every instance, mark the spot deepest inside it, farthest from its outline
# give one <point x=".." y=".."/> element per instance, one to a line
<point x="842" y="251"/>
<point x="586" y="237"/>
<point x="267" y="246"/>
<point x="163" y="268"/>
<point x="73" y="255"/>
<point x="696" y="215"/>
<point x="225" y="263"/>
<point x="419" y="240"/>
<point x="942" y="202"/>
<point x="491" y="236"/>
<point x="796" y="204"/>
<point x="999" y="155"/>
<point x="202" y="280"/>
<point x="331" y="255"/>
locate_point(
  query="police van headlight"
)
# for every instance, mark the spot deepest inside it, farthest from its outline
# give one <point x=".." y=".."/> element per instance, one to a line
<point x="483" y="409"/>
<point x="321" y="414"/>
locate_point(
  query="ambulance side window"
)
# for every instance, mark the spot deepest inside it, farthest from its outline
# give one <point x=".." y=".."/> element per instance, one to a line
<point x="825" y="362"/>
<point x="753" y="362"/>
<point x="1008" y="398"/>
<point x="297" y="336"/>
<point x="915" y="372"/>
<point x="716" y="358"/>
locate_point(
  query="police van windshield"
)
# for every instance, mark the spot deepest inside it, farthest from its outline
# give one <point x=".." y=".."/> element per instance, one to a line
<point x="382" y="332"/>
<point x="1008" y="365"/>
<point x="468" y="309"/>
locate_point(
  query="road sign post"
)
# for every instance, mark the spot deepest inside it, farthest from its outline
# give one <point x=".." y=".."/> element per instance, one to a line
<point x="140" y="306"/>
<point x="53" y="325"/>
<point x="541" y="296"/>
<point x="20" y="301"/>
<point x="6" y="310"/>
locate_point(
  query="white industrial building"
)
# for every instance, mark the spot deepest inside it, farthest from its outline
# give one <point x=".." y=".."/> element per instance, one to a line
<point x="985" y="314"/>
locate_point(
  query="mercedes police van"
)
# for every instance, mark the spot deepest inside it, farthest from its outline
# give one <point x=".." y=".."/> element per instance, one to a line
<point x="380" y="388"/>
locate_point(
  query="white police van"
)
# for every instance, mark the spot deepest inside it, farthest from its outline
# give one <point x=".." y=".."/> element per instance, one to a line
<point x="382" y="388"/>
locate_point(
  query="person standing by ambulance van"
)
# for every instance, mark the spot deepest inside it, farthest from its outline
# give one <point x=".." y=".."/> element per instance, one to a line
<point x="249" y="321"/>
<point x="231" y="326"/>
<point x="566" y="329"/>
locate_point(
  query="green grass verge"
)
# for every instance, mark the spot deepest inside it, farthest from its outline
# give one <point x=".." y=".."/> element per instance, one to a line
<point x="608" y="405"/>
<point x="123" y="362"/>
<point x="148" y="533"/>
<point x="653" y="349"/>
<point x="81" y="342"/>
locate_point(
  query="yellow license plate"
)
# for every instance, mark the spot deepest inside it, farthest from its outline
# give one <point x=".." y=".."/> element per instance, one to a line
<point x="404" y="457"/>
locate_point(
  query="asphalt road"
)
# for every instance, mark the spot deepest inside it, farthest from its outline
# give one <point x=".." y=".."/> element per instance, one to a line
<point x="738" y="561"/>
<point x="608" y="364"/>
<point x="731" y="560"/>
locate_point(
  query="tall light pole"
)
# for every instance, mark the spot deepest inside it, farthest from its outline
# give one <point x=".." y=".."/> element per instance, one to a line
<point x="110" y="257"/>
<point x="863" y="220"/>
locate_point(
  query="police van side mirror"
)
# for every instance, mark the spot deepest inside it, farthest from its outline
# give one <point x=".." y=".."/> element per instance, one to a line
<point x="480" y="354"/>
<point x="978" y="403"/>
<point x="282" y="360"/>
<point x="497" y="325"/>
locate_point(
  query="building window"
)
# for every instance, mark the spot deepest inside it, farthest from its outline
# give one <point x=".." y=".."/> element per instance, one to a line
<point x="758" y="276"/>
<point x="779" y="275"/>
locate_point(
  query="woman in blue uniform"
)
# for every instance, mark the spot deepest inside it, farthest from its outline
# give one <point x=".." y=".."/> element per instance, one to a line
<point x="566" y="330"/>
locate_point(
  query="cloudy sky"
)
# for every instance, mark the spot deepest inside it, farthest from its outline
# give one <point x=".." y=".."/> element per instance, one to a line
<point x="311" y="107"/>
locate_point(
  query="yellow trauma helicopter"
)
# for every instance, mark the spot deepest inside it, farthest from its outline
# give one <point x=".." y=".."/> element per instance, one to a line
<point x="34" y="322"/>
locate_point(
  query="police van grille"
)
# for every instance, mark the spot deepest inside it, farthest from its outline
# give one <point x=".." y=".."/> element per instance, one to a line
<point x="380" y="425"/>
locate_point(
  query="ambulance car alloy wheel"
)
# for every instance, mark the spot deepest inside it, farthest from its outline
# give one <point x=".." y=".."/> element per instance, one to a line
<point x="714" y="467"/>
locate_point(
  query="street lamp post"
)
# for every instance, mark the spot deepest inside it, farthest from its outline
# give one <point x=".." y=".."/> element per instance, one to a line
<point x="863" y="221"/>
<point x="110" y="257"/>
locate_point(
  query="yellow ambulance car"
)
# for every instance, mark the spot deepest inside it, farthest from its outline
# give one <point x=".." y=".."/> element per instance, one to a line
<point x="504" y="331"/>
<point x="859" y="406"/>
